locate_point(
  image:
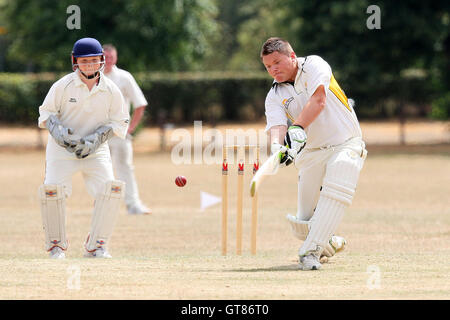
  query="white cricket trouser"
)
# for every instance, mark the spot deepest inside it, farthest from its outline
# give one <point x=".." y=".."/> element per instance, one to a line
<point x="122" y="157"/>
<point x="326" y="185"/>
<point x="96" y="172"/>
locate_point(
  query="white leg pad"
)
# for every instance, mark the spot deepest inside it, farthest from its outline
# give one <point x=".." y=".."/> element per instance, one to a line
<point x="106" y="210"/>
<point x="337" y="193"/>
<point x="299" y="228"/>
<point x="53" y="210"/>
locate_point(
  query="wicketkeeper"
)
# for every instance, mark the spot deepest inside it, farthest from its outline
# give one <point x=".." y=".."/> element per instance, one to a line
<point x="82" y="111"/>
<point x="311" y="120"/>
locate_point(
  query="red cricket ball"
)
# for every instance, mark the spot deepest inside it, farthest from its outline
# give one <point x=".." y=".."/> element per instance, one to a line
<point x="180" y="181"/>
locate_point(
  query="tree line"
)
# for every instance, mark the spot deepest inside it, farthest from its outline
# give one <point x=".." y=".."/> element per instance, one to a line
<point x="405" y="60"/>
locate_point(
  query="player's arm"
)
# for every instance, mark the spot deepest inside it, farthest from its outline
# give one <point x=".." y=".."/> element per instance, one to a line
<point x="136" y="118"/>
<point x="277" y="134"/>
<point x="48" y="118"/>
<point x="317" y="76"/>
<point x="276" y="125"/>
<point x="296" y="135"/>
<point x="61" y="134"/>
<point x="137" y="97"/>
<point x="313" y="108"/>
<point x="119" y="117"/>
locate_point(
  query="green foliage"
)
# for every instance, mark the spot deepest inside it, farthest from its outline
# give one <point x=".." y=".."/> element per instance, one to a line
<point x="440" y="109"/>
<point x="371" y="66"/>
<point x="18" y="95"/>
<point x="173" y="97"/>
<point x="368" y="64"/>
<point x="156" y="34"/>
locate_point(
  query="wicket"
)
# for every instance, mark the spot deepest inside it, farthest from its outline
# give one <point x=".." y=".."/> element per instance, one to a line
<point x="241" y="149"/>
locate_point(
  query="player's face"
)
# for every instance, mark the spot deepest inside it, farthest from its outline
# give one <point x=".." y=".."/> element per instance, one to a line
<point x="110" y="58"/>
<point x="280" y="66"/>
<point x="89" y="65"/>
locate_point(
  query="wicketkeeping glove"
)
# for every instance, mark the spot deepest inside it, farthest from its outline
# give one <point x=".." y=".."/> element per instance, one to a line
<point x="90" y="143"/>
<point x="61" y="134"/>
<point x="295" y="140"/>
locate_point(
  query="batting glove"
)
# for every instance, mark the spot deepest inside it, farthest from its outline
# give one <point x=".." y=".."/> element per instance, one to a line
<point x="90" y="143"/>
<point x="61" y="134"/>
<point x="286" y="158"/>
<point x="295" y="140"/>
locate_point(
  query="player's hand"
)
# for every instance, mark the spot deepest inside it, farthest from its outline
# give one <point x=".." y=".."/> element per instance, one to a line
<point x="90" y="143"/>
<point x="295" y="140"/>
<point x="61" y="134"/>
<point x="286" y="158"/>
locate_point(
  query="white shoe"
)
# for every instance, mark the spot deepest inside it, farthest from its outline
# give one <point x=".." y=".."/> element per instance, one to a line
<point x="57" y="253"/>
<point x="310" y="261"/>
<point x="98" y="253"/>
<point x="138" y="208"/>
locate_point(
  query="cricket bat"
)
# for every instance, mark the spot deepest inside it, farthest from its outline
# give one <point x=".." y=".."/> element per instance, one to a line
<point x="269" y="167"/>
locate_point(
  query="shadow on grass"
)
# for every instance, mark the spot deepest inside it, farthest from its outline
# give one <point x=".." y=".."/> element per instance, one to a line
<point x="290" y="267"/>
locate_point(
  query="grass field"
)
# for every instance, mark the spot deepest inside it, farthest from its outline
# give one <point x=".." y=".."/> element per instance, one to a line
<point x="398" y="232"/>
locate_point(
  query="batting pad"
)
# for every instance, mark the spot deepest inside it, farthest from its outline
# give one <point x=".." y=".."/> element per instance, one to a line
<point x="299" y="228"/>
<point x="106" y="210"/>
<point x="53" y="209"/>
<point x="337" y="194"/>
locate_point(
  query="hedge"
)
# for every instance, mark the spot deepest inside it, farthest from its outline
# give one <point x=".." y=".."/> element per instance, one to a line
<point x="173" y="97"/>
<point x="211" y="97"/>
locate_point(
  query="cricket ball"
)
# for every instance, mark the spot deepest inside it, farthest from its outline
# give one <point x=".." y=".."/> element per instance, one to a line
<point x="180" y="181"/>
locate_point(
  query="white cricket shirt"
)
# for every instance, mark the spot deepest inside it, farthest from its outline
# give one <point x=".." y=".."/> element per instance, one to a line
<point x="83" y="110"/>
<point x="335" y="124"/>
<point x="131" y="92"/>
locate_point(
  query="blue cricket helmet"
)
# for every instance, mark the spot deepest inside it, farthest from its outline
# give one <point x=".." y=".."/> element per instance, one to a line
<point x="87" y="47"/>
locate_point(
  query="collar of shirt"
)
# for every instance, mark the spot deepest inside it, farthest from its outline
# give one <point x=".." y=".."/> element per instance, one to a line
<point x="300" y="64"/>
<point x="101" y="85"/>
<point x="113" y="71"/>
<point x="274" y="84"/>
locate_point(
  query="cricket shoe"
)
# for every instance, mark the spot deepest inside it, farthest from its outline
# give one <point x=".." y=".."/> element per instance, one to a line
<point x="310" y="261"/>
<point x="98" y="253"/>
<point x="57" y="253"/>
<point x="138" y="208"/>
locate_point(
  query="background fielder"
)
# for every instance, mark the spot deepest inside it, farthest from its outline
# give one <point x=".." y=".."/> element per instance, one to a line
<point x="82" y="111"/>
<point x="122" y="149"/>
<point x="323" y="139"/>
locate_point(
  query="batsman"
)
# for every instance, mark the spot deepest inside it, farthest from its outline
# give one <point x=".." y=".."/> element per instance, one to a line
<point x="310" y="120"/>
<point x="81" y="112"/>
